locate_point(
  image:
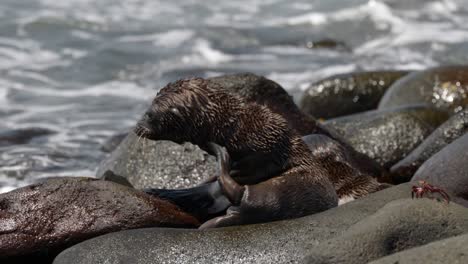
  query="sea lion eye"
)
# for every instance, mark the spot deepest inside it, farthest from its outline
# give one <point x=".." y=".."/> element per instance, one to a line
<point x="175" y="111"/>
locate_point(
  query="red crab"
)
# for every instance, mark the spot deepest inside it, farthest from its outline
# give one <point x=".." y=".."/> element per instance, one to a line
<point x="425" y="187"/>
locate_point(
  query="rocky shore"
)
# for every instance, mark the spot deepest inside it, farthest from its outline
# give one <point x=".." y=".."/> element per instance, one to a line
<point x="411" y="126"/>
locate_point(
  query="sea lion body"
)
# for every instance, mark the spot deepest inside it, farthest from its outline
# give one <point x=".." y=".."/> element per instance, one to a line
<point x="279" y="176"/>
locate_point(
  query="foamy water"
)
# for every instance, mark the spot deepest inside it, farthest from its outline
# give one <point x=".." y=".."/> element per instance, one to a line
<point x="87" y="69"/>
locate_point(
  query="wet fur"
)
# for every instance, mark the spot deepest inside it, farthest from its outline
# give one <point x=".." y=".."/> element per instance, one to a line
<point x="280" y="176"/>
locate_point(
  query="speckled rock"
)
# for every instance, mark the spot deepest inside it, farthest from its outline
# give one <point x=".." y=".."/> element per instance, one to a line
<point x="451" y="250"/>
<point x="348" y="93"/>
<point x="159" y="164"/>
<point x="388" y="136"/>
<point x="276" y="242"/>
<point x="449" y="131"/>
<point x="60" y="212"/>
<point x="399" y="225"/>
<point x="113" y="142"/>
<point x="448" y="168"/>
<point x="444" y="87"/>
<point x="261" y="90"/>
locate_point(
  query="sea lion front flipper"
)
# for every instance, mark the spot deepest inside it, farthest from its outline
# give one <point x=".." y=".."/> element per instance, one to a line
<point x="204" y="201"/>
<point x="231" y="189"/>
<point x="232" y="217"/>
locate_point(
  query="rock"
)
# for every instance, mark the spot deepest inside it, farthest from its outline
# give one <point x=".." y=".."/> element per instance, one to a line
<point x="448" y="168"/>
<point x="348" y="93"/>
<point x="388" y="136"/>
<point x="399" y="225"/>
<point x="445" y="88"/>
<point x="449" y="131"/>
<point x="328" y="44"/>
<point x="22" y="136"/>
<point x="450" y="250"/>
<point x="113" y="142"/>
<point x="261" y="90"/>
<point x="276" y="242"/>
<point x="55" y="214"/>
<point x="159" y="164"/>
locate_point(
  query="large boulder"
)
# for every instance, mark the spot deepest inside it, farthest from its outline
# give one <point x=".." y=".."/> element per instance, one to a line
<point x="388" y="136"/>
<point x="52" y="215"/>
<point x="448" y="168"/>
<point x="450" y="250"/>
<point x="449" y="131"/>
<point x="445" y="88"/>
<point x="399" y="225"/>
<point x="159" y="164"/>
<point x="276" y="242"/>
<point x="346" y="94"/>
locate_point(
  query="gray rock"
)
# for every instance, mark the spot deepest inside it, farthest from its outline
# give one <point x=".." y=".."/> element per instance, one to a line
<point x="388" y="136"/>
<point x="113" y="142"/>
<point x="445" y="88"/>
<point x="346" y="94"/>
<point x="448" y="168"/>
<point x="450" y="250"/>
<point x="399" y="225"/>
<point x="159" y="164"/>
<point x="449" y="131"/>
<point x="57" y="213"/>
<point x="276" y="242"/>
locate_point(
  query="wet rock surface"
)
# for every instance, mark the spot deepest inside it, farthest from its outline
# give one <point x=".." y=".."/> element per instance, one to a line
<point x="448" y="168"/>
<point x="443" y="87"/>
<point x="446" y="133"/>
<point x="450" y="250"/>
<point x="159" y="164"/>
<point x="346" y="94"/>
<point x="22" y="136"/>
<point x="60" y="212"/>
<point x="399" y="225"/>
<point x="388" y="136"/>
<point x="276" y="242"/>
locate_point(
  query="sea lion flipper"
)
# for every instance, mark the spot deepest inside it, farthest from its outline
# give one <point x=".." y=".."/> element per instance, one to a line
<point x="232" y="217"/>
<point x="204" y="201"/>
<point x="231" y="189"/>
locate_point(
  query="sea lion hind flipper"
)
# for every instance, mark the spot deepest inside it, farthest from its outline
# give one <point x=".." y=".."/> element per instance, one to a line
<point x="231" y="189"/>
<point x="204" y="201"/>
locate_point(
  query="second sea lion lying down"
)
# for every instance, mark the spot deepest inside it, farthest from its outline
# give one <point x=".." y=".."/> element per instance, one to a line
<point x="274" y="174"/>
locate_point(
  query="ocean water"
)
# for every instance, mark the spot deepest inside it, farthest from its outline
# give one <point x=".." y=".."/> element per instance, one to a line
<point x="84" y="70"/>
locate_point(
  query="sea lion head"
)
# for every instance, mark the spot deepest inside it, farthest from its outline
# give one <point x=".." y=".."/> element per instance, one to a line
<point x="186" y="110"/>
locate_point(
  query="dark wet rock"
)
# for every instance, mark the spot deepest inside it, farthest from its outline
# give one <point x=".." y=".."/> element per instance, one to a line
<point x="348" y="93"/>
<point x="450" y="250"/>
<point x="388" y="136"/>
<point x="445" y="88"/>
<point x="113" y="142"/>
<point x="399" y="225"/>
<point x="328" y="44"/>
<point x="111" y="176"/>
<point x="55" y="214"/>
<point x="276" y="242"/>
<point x="448" y="168"/>
<point x="159" y="164"/>
<point x="22" y="136"/>
<point x="261" y="90"/>
<point x="449" y="131"/>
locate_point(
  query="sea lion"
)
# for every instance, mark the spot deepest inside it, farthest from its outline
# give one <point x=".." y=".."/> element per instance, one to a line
<point x="270" y="161"/>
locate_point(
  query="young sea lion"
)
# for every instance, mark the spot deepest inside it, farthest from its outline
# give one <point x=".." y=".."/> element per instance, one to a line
<point x="269" y="159"/>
